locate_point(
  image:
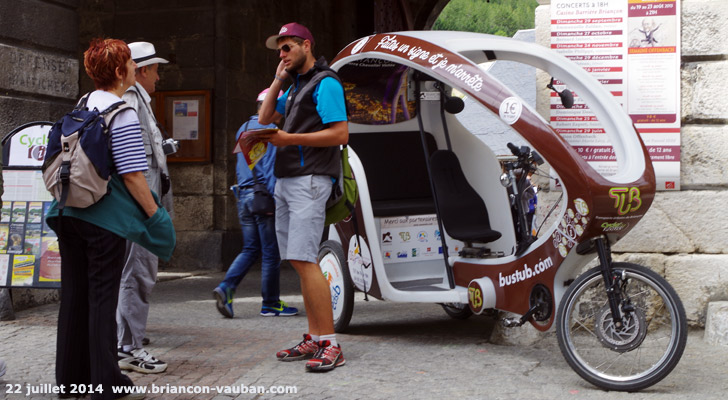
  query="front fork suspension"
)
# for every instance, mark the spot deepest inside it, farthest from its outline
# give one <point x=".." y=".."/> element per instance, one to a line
<point x="611" y="281"/>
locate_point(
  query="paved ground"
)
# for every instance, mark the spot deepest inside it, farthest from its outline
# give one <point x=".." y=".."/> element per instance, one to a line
<point x="392" y="350"/>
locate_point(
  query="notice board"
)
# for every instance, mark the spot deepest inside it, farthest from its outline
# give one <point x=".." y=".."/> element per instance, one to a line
<point x="633" y="48"/>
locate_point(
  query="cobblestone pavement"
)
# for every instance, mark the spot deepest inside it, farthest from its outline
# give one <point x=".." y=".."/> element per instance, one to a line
<point x="392" y="350"/>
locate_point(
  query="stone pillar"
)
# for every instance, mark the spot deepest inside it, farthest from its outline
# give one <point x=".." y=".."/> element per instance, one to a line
<point x="39" y="70"/>
<point x="716" y="324"/>
<point x="6" y="306"/>
<point x="38" y="67"/>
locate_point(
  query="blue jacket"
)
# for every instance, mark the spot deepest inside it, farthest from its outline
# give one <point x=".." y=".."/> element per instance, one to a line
<point x="264" y="166"/>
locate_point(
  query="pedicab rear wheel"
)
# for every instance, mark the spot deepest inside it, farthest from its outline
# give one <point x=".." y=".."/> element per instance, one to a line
<point x="457" y="310"/>
<point x="334" y="266"/>
<point x="641" y="352"/>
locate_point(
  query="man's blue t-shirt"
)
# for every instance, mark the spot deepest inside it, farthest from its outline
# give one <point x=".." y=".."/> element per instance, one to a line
<point x="328" y="97"/>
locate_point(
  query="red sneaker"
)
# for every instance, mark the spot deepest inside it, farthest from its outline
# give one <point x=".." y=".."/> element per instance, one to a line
<point x="326" y="358"/>
<point x="302" y="351"/>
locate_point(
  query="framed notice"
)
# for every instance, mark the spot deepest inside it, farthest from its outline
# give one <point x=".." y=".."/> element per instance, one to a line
<point x="185" y="115"/>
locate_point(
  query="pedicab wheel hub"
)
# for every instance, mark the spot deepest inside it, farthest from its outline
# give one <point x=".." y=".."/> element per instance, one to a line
<point x="623" y="339"/>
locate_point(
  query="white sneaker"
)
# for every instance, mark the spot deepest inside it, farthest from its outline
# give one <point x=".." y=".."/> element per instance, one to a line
<point x="140" y="360"/>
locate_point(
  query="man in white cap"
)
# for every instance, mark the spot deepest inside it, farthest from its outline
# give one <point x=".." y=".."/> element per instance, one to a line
<point x="140" y="266"/>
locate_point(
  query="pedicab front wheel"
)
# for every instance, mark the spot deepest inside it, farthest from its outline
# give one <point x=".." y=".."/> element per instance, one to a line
<point x="633" y="356"/>
<point x="333" y="264"/>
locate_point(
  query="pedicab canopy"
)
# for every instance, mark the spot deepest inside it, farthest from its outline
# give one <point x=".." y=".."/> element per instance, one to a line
<point x="376" y="68"/>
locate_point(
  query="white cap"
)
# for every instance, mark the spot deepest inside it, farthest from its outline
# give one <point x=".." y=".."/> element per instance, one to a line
<point x="261" y="95"/>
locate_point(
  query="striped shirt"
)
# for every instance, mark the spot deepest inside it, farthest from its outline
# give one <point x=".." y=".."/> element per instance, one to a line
<point x="127" y="147"/>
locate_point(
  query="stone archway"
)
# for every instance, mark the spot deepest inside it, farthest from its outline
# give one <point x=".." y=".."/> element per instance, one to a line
<point x="400" y="15"/>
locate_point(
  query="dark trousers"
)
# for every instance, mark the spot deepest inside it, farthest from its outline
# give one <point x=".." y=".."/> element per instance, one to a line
<point x="92" y="259"/>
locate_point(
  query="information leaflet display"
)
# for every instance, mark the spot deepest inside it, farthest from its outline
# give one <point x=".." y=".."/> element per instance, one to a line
<point x="29" y="253"/>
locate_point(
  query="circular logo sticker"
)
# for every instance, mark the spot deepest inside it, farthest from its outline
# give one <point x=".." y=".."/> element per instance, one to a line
<point x="581" y="206"/>
<point x="360" y="264"/>
<point x="357" y="48"/>
<point x="510" y="110"/>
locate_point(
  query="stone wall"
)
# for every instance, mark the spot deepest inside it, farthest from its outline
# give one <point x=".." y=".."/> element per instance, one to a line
<point x="683" y="236"/>
<point x="38" y="68"/>
<point x="217" y="46"/>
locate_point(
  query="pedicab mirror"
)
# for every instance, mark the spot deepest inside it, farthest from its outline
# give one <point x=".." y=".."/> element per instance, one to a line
<point x="567" y="98"/>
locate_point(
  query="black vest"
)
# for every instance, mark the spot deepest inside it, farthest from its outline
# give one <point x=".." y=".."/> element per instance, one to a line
<point x="301" y="118"/>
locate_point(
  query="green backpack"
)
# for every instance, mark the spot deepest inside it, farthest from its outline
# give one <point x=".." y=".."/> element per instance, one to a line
<point x="343" y="197"/>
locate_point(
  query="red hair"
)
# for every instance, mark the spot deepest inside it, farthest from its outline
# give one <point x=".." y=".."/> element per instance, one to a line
<point x="102" y="59"/>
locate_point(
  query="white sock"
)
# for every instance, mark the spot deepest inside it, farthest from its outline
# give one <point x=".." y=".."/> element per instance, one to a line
<point x="128" y="348"/>
<point x="331" y="338"/>
<point x="315" y="338"/>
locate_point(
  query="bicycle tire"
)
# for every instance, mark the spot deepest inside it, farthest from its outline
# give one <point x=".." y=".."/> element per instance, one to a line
<point x="597" y="351"/>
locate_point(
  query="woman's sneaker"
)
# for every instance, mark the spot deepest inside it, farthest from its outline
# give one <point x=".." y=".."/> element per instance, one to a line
<point x="302" y="351"/>
<point x="281" y="309"/>
<point x="140" y="360"/>
<point x="224" y="301"/>
<point x="326" y="358"/>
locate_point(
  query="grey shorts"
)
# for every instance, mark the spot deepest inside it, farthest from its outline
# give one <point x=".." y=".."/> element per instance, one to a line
<point x="300" y="214"/>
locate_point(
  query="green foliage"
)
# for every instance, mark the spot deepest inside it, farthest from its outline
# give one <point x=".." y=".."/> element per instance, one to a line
<point x="498" y="17"/>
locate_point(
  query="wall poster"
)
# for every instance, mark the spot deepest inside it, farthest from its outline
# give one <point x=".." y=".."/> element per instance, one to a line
<point x="633" y="48"/>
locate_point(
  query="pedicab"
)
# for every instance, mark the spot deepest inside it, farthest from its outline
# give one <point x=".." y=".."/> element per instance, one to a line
<point x="441" y="218"/>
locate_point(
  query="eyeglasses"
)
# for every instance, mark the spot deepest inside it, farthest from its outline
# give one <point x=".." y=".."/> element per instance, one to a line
<point x="286" y="48"/>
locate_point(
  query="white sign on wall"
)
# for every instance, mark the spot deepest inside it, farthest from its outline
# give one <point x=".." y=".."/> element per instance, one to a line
<point x="633" y="48"/>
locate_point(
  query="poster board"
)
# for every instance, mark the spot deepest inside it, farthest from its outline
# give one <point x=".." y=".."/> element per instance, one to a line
<point x="29" y="253"/>
<point x="185" y="116"/>
<point x="413" y="238"/>
<point x="633" y="48"/>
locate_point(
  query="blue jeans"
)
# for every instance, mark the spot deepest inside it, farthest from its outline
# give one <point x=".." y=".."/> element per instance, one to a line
<point x="259" y="237"/>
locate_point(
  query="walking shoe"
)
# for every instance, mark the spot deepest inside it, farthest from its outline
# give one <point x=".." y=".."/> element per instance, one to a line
<point x="140" y="360"/>
<point x="281" y="309"/>
<point x="326" y="358"/>
<point x="302" y="351"/>
<point x="224" y="301"/>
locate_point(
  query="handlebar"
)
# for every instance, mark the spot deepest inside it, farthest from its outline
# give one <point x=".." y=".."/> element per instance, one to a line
<point x="526" y="157"/>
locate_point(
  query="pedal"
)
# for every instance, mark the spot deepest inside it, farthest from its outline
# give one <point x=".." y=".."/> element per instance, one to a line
<point x="511" y="322"/>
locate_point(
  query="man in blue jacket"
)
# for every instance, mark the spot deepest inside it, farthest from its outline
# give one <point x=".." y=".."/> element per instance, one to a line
<point x="259" y="236"/>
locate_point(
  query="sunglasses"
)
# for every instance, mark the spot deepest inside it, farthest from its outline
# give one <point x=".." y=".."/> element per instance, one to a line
<point x="286" y="48"/>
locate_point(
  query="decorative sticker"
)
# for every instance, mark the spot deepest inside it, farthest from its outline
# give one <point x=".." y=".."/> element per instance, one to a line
<point x="360" y="264"/>
<point x="626" y="200"/>
<point x="510" y="110"/>
<point x="360" y="44"/>
<point x="571" y="227"/>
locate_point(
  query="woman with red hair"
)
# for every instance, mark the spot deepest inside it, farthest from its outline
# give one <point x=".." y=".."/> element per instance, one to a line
<point x="91" y="245"/>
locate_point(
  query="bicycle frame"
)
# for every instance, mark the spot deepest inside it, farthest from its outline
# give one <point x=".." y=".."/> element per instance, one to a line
<point x="595" y="210"/>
